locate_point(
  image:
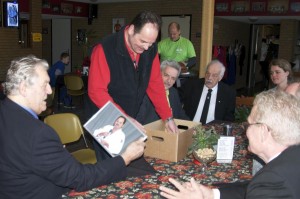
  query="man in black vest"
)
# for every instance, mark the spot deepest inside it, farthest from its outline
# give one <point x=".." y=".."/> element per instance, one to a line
<point x="125" y="66"/>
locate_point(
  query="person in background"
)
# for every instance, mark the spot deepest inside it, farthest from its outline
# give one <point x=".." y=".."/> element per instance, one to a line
<point x="264" y="63"/>
<point x="59" y="69"/>
<point x="170" y="71"/>
<point x="281" y="73"/>
<point x="177" y="48"/>
<point x="221" y="105"/>
<point x="274" y="135"/>
<point x="34" y="162"/>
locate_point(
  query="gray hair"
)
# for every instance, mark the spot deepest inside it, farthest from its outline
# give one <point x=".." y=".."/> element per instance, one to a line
<point x="220" y="64"/>
<point x="280" y="111"/>
<point x="172" y="64"/>
<point x="22" y="69"/>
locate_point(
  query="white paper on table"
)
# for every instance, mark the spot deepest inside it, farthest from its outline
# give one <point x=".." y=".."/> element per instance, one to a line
<point x="225" y="149"/>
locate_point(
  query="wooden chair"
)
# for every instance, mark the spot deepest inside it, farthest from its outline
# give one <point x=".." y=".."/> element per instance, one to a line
<point x="243" y="108"/>
<point x="69" y="129"/>
<point x="75" y="86"/>
<point x="244" y="101"/>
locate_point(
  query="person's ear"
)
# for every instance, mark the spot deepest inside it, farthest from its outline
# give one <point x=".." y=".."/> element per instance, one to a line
<point x="265" y="133"/>
<point x="23" y="88"/>
<point x="131" y="29"/>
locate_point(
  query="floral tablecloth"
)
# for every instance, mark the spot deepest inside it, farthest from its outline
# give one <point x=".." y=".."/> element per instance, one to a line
<point x="147" y="186"/>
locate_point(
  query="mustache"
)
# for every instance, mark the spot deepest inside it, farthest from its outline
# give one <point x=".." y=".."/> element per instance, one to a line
<point x="208" y="81"/>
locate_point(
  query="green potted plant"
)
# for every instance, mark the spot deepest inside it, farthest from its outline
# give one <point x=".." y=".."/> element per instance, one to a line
<point x="202" y="147"/>
<point x="204" y="138"/>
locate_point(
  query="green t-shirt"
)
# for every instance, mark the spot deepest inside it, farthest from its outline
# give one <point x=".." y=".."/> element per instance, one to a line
<point x="180" y="50"/>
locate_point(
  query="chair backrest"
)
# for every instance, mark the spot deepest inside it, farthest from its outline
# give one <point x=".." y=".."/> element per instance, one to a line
<point x="73" y="82"/>
<point x="67" y="126"/>
<point x="246" y="101"/>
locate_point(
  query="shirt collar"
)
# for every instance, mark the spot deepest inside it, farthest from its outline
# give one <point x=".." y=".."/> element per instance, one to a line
<point x="213" y="88"/>
<point x="30" y="111"/>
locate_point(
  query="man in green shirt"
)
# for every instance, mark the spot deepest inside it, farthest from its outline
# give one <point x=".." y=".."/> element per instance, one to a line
<point x="177" y="48"/>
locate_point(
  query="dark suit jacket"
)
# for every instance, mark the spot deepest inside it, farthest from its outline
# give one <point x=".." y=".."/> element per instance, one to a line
<point x="34" y="163"/>
<point x="147" y="112"/>
<point x="280" y="178"/>
<point x="225" y="105"/>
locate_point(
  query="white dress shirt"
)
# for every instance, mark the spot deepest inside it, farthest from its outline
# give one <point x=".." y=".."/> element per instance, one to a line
<point x="212" y="104"/>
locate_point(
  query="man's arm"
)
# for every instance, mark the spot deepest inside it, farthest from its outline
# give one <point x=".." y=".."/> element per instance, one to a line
<point x="99" y="78"/>
<point x="51" y="161"/>
<point x="157" y="93"/>
<point x="191" y="54"/>
<point x="231" y="104"/>
<point x="191" y="62"/>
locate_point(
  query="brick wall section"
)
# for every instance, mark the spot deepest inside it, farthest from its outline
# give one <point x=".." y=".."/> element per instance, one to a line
<point x="288" y="38"/>
<point x="9" y="47"/>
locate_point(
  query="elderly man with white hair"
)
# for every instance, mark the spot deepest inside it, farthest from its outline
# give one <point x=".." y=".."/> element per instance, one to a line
<point x="274" y="136"/>
<point x="209" y="99"/>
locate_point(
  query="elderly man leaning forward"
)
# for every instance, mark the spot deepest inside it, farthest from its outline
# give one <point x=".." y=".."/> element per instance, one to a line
<point x="274" y="135"/>
<point x="34" y="162"/>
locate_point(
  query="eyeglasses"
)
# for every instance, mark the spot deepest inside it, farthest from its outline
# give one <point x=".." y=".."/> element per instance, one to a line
<point x="247" y="125"/>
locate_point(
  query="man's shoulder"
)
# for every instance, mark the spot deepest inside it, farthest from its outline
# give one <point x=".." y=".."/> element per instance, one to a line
<point x="226" y="87"/>
<point x="164" y="41"/>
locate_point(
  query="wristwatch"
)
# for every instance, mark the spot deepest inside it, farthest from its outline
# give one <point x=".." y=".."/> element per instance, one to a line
<point x="169" y="119"/>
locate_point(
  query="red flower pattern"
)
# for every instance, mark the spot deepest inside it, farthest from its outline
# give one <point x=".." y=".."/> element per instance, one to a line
<point x="145" y="187"/>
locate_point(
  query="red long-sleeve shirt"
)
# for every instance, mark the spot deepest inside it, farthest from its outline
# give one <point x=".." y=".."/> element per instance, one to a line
<point x="99" y="78"/>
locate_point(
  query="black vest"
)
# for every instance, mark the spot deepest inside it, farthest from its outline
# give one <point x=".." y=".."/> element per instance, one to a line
<point x="127" y="85"/>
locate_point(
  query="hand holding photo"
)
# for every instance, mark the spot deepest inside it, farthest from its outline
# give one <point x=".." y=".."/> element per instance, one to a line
<point x="112" y="129"/>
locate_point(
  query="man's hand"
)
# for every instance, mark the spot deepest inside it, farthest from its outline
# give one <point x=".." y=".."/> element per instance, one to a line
<point x="190" y="190"/>
<point x="184" y="69"/>
<point x="171" y="126"/>
<point x="134" y="151"/>
<point x="104" y="134"/>
<point x="103" y="142"/>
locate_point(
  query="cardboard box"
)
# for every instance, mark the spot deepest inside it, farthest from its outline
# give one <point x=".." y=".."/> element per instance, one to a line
<point x="169" y="146"/>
